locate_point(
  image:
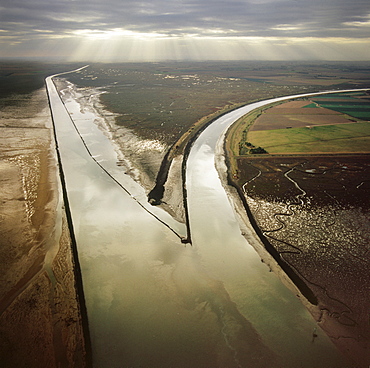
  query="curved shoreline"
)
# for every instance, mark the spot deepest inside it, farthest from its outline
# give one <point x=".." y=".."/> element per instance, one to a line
<point x="289" y="271"/>
<point x="156" y="195"/>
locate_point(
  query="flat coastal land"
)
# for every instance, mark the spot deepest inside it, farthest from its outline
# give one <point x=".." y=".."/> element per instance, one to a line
<point x="149" y="109"/>
<point x="40" y="317"/>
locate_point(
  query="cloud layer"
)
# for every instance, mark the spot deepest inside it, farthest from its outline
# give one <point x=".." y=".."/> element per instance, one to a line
<point x="43" y="23"/>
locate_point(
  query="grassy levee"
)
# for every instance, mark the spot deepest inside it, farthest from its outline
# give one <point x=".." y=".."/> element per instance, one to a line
<point x="237" y="133"/>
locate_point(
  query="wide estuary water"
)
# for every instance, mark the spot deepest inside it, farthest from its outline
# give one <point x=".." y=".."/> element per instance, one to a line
<point x="155" y="302"/>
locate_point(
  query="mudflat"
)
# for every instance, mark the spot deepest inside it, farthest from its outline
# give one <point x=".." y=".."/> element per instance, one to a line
<point x="40" y="318"/>
<point x="314" y="211"/>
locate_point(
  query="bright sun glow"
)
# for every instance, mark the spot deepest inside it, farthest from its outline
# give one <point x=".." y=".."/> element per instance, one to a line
<point x="133" y="30"/>
<point x="192" y="43"/>
<point x="124" y="45"/>
<point x="114" y="33"/>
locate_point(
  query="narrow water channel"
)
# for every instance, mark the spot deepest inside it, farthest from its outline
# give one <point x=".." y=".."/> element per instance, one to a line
<point x="154" y="302"/>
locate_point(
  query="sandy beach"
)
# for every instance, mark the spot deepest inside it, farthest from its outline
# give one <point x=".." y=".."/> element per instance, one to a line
<point x="40" y="320"/>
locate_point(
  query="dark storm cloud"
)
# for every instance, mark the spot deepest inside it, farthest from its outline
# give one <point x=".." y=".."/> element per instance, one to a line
<point x="262" y="18"/>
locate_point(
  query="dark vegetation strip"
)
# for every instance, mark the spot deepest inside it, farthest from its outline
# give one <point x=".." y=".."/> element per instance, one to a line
<point x="155" y="196"/>
<point x="115" y="180"/>
<point x="77" y="267"/>
<point x="185" y="194"/>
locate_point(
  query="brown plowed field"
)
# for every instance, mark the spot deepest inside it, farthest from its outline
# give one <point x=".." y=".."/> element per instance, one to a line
<point x="271" y="121"/>
<point x="293" y="114"/>
<point x="300" y="111"/>
<point x="290" y="105"/>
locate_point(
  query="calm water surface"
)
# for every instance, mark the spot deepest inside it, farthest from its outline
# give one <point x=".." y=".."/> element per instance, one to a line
<point x="154" y="302"/>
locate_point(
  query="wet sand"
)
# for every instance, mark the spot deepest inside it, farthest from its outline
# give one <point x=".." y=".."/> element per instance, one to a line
<point x="40" y="322"/>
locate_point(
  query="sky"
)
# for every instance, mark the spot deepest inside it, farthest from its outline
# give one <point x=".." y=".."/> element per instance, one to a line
<point x="155" y="30"/>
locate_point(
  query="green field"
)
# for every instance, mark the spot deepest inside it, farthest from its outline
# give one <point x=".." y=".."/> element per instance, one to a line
<point x="352" y="138"/>
<point x="352" y="110"/>
<point x="347" y="104"/>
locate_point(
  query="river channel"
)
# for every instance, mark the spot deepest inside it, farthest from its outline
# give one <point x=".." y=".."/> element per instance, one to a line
<point x="155" y="302"/>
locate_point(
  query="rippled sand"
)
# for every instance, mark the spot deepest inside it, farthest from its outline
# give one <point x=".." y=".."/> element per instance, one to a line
<point x="39" y="314"/>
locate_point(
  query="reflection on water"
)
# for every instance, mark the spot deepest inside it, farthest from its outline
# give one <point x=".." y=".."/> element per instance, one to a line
<point x="153" y="302"/>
